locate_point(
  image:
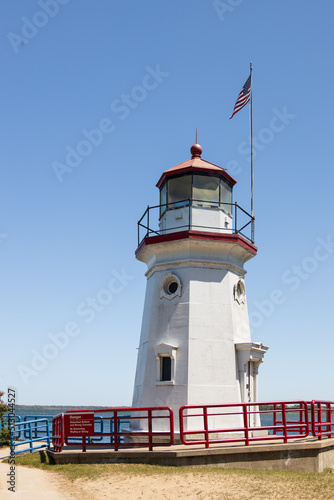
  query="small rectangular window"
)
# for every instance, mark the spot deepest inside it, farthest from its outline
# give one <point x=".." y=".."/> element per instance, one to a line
<point x="166" y="368"/>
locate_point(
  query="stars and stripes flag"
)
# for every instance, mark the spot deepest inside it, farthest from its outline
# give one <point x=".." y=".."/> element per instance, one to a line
<point x="243" y="97"/>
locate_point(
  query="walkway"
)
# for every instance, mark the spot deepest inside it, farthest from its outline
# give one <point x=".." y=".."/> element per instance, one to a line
<point x="34" y="484"/>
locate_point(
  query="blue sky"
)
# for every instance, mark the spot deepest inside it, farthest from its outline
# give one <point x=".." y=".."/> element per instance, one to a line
<point x="68" y="221"/>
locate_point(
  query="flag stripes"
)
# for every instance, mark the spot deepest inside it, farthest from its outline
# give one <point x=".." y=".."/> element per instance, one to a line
<point x="243" y="97"/>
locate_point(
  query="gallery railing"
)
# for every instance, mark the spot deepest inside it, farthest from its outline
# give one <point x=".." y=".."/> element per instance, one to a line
<point x="241" y="221"/>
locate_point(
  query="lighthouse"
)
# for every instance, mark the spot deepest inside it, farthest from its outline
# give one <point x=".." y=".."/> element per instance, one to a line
<point x="195" y="344"/>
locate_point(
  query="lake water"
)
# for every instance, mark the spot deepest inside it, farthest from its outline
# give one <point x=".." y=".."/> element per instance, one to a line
<point x="52" y="411"/>
<point x="27" y="413"/>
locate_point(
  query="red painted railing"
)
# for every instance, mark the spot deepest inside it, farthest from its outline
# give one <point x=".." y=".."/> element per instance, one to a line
<point x="211" y="422"/>
<point x="294" y="410"/>
<point x="204" y="424"/>
<point x="119" y="437"/>
<point x="58" y="438"/>
<point x="321" y="418"/>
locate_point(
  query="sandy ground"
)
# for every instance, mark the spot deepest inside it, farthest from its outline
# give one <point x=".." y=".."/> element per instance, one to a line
<point x="34" y="484"/>
<point x="161" y="487"/>
<point x="203" y="486"/>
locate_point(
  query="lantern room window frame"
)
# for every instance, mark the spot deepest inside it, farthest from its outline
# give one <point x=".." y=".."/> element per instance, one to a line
<point x="224" y="187"/>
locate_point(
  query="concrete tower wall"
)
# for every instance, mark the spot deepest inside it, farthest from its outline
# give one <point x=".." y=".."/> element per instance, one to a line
<point x="198" y="326"/>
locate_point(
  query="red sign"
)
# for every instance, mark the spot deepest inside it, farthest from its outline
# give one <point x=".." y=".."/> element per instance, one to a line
<point x="79" y="424"/>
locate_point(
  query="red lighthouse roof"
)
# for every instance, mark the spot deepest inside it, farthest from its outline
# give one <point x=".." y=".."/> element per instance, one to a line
<point x="196" y="164"/>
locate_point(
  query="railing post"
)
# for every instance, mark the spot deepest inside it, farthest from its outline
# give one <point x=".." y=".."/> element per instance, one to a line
<point x="245" y="415"/>
<point x="11" y="435"/>
<point x="284" y="423"/>
<point x="300" y="417"/>
<point x="115" y="431"/>
<point x="150" y="436"/>
<point x="30" y="438"/>
<point x="148" y="221"/>
<point x="19" y="421"/>
<point x="235" y="217"/>
<point x="319" y="420"/>
<point x="54" y="433"/>
<point x="62" y="431"/>
<point x="171" y="425"/>
<point x="328" y="419"/>
<point x="206" y="430"/>
<point x="274" y="419"/>
<point x="48" y="434"/>
<point x="313" y="418"/>
<point x="181" y="415"/>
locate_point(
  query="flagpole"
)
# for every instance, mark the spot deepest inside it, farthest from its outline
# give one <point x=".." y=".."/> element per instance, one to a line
<point x="251" y="145"/>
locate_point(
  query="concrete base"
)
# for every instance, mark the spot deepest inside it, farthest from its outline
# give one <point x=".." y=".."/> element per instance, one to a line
<point x="307" y="455"/>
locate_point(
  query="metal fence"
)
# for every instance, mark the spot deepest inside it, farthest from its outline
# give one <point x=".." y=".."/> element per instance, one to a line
<point x="117" y="432"/>
<point x="213" y="426"/>
<point x="117" y="428"/>
<point x="30" y="433"/>
<point x="321" y="418"/>
<point x="58" y="438"/>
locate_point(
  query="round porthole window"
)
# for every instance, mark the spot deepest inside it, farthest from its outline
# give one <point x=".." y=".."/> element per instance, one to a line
<point x="170" y="286"/>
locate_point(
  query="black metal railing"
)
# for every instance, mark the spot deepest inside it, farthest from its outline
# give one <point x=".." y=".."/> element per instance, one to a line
<point x="150" y="223"/>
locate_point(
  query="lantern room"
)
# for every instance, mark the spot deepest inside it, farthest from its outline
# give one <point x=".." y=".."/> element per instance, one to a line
<point x="196" y="195"/>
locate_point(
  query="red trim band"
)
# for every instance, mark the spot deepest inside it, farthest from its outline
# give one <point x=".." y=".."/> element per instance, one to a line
<point x="199" y="235"/>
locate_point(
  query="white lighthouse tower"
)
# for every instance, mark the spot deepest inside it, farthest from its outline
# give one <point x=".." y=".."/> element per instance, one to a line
<point x="195" y="345"/>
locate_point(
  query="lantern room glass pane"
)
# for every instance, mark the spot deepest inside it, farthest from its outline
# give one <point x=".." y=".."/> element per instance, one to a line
<point x="163" y="199"/>
<point x="179" y="191"/>
<point x="225" y="197"/>
<point x="205" y="190"/>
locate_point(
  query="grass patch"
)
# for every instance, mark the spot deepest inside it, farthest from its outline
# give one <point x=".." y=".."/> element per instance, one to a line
<point x="40" y="460"/>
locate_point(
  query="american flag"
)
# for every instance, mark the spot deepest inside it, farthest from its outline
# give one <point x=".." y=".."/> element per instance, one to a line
<point x="243" y="97"/>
